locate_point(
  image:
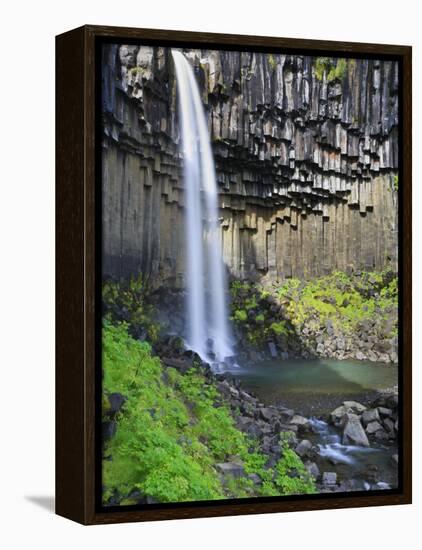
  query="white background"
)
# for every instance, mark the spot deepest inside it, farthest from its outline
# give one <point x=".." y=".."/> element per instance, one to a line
<point x="27" y="272"/>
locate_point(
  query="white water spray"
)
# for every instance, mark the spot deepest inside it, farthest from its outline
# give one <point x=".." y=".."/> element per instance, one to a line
<point x="206" y="282"/>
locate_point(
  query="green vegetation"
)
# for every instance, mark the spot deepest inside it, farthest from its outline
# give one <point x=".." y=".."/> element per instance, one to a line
<point x="344" y="300"/>
<point x="127" y="301"/>
<point x="173" y="429"/>
<point x="272" y="62"/>
<point x="250" y="307"/>
<point x="396" y="183"/>
<point x="347" y="302"/>
<point x="333" y="69"/>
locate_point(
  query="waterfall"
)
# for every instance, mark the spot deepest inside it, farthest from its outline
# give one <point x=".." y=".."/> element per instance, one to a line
<point x="208" y="327"/>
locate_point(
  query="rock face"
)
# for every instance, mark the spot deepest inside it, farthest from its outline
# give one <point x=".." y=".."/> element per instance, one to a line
<point x="306" y="155"/>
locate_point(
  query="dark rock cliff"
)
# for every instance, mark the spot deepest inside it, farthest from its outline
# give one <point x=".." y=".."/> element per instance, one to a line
<point x="306" y="154"/>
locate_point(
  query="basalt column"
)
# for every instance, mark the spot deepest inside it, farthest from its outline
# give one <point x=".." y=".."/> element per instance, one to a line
<point x="306" y="155"/>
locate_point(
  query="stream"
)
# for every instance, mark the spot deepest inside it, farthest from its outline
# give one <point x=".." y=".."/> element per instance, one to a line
<point x="316" y="387"/>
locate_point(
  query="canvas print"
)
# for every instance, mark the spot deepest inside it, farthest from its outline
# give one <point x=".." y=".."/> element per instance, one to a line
<point x="249" y="331"/>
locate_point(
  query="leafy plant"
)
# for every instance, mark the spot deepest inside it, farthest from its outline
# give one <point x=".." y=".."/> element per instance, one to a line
<point x="172" y="431"/>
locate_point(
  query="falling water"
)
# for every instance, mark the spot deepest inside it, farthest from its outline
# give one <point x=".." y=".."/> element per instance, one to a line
<point x="206" y="281"/>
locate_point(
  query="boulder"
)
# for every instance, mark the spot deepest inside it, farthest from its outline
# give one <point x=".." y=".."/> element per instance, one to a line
<point x="233" y="469"/>
<point x="355" y="406"/>
<point x="371" y="415"/>
<point x="299" y="421"/>
<point x="256" y="480"/>
<point x="303" y="448"/>
<point x="312" y="469"/>
<point x="382" y="435"/>
<point x="109" y="429"/>
<point x="337" y="415"/>
<point x="373" y="427"/>
<point x="268" y="413"/>
<point x="388" y="425"/>
<point x="329" y="478"/>
<point x="353" y="433"/>
<point x="320" y="349"/>
<point x="384" y="411"/>
<point x="116" y="401"/>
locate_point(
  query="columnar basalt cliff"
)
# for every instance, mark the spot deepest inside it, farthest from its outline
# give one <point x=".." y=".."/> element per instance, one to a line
<point x="306" y="153"/>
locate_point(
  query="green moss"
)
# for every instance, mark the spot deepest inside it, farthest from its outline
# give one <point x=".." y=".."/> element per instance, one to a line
<point x="272" y="61"/>
<point x="136" y="71"/>
<point x="333" y="69"/>
<point x="127" y="300"/>
<point x="240" y="315"/>
<point x="342" y="299"/>
<point x="396" y="183"/>
<point x="172" y="431"/>
<point x="280" y="328"/>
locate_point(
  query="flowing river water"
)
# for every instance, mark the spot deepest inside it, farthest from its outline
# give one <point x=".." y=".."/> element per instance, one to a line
<point x="316" y="387"/>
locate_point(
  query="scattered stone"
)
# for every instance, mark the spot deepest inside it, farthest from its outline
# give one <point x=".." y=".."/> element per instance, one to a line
<point x="381" y="435"/>
<point x="255" y="479"/>
<point x="371" y="415"/>
<point x="329" y="478"/>
<point x="303" y="448"/>
<point x="233" y="469"/>
<point x="355" y="406"/>
<point x="299" y="420"/>
<point x="384" y="411"/>
<point x="116" y="401"/>
<point x="180" y="364"/>
<point x="267" y="413"/>
<point x="360" y="356"/>
<point x="320" y="349"/>
<point x="388" y="425"/>
<point x="373" y="427"/>
<point x="109" y="429"/>
<point x="312" y="469"/>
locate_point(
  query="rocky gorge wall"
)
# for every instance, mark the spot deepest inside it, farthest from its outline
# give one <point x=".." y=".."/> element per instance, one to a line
<point x="306" y="154"/>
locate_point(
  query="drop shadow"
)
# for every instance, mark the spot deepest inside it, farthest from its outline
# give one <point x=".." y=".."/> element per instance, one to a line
<point x="47" y="502"/>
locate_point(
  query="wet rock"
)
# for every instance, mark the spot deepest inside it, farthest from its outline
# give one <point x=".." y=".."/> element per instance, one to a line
<point x="373" y="427"/>
<point x="299" y="420"/>
<point x="354" y="406"/>
<point x="268" y="413"/>
<point x="360" y="356"/>
<point x="337" y="415"/>
<point x="329" y="478"/>
<point x="382" y="435"/>
<point x="389" y="426"/>
<point x="303" y="448"/>
<point x="371" y="415"/>
<point x="312" y="469"/>
<point x="353" y="432"/>
<point x="384" y="411"/>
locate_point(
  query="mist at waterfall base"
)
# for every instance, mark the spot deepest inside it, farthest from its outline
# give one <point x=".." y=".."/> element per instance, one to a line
<point x="208" y="330"/>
